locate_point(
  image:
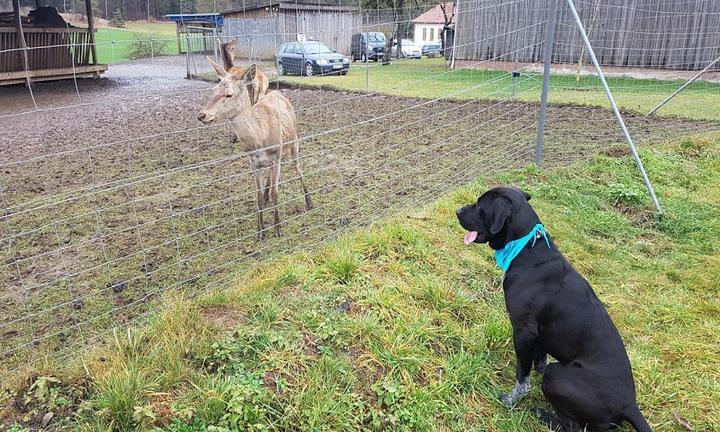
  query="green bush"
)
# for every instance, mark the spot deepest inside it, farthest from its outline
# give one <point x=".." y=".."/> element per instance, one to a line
<point x="144" y="46"/>
<point x="619" y="193"/>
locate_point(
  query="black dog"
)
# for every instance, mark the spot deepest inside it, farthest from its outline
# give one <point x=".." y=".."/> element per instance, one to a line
<point x="553" y="310"/>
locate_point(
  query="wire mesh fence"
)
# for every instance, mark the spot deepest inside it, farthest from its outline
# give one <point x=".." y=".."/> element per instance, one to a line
<point x="114" y="195"/>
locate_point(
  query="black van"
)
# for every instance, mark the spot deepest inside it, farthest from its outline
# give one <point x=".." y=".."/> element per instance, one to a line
<point x="368" y="46"/>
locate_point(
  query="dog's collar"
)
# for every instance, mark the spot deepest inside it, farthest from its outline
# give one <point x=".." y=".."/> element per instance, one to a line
<point x="505" y="256"/>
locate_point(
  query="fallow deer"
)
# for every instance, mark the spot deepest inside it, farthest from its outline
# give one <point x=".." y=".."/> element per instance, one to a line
<point x="261" y="83"/>
<point x="267" y="131"/>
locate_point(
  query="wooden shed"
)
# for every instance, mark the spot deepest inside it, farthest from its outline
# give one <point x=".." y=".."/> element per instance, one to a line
<point x="197" y="32"/>
<point x="260" y="30"/>
<point x="42" y="46"/>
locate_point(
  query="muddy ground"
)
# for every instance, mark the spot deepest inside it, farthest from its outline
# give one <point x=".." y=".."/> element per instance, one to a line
<point x="111" y="203"/>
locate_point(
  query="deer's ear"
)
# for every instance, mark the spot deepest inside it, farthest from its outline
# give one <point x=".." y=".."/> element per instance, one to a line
<point x="250" y="74"/>
<point x="232" y="44"/>
<point x="221" y="73"/>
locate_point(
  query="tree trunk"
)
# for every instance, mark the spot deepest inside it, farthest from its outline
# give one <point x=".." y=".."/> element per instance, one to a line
<point x="388" y="47"/>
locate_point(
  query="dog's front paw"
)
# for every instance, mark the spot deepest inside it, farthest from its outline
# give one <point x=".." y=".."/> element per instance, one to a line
<point x="521" y="389"/>
<point x="506" y="399"/>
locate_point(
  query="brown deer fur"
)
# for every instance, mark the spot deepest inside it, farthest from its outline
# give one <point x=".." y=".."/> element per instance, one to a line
<point x="267" y="131"/>
<point x="259" y="87"/>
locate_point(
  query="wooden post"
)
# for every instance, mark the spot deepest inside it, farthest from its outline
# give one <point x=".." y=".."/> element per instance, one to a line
<point x="21" y="40"/>
<point x="91" y="30"/>
<point x="177" y="34"/>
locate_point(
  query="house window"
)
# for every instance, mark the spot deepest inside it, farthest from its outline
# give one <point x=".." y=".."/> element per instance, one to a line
<point x="424" y="34"/>
<point x="432" y="34"/>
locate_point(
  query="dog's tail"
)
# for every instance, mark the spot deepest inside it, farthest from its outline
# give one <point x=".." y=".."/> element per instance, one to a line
<point x="637" y="420"/>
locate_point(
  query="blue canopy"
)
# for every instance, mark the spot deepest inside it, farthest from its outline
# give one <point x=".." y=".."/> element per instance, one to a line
<point x="212" y="18"/>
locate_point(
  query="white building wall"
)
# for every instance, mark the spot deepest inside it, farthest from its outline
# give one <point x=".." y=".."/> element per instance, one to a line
<point x="427" y="32"/>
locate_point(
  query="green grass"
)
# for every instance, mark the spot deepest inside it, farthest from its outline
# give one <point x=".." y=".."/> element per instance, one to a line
<point x="158" y="28"/>
<point x="112" y="44"/>
<point x="429" y="78"/>
<point x="402" y="327"/>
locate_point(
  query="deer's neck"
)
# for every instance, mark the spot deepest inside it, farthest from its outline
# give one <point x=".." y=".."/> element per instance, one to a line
<point x="227" y="58"/>
<point x="248" y="130"/>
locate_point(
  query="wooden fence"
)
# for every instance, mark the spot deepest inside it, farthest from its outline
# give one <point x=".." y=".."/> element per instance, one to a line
<point x="258" y="38"/>
<point x="667" y="34"/>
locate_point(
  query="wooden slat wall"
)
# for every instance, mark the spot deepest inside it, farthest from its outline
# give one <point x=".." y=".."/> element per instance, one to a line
<point x="259" y="38"/>
<point x="680" y="34"/>
<point x="256" y="37"/>
<point x="46" y="50"/>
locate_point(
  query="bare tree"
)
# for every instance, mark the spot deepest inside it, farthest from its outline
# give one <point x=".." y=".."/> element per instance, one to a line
<point x="448" y="16"/>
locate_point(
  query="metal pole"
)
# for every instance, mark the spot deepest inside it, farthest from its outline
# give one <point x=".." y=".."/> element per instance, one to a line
<point x="515" y="76"/>
<point x="549" y="41"/>
<point x="615" y="109"/>
<point x="187" y="51"/>
<point x="692" y="80"/>
<point x="214" y="44"/>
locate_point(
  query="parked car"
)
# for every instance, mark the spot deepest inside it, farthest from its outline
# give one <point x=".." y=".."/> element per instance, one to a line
<point x="432" y="48"/>
<point x="367" y="46"/>
<point x="310" y="58"/>
<point x="408" y="50"/>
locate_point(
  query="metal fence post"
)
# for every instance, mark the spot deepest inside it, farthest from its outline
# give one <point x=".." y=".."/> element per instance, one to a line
<point x="187" y="52"/>
<point x="615" y="109"/>
<point x="549" y="41"/>
<point x="684" y="86"/>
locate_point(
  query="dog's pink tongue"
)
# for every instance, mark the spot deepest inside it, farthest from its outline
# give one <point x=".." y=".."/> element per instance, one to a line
<point x="470" y="237"/>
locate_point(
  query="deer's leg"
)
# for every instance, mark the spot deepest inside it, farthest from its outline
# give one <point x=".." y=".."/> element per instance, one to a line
<point x="298" y="169"/>
<point x="260" y="201"/>
<point x="274" y="192"/>
<point x="266" y="191"/>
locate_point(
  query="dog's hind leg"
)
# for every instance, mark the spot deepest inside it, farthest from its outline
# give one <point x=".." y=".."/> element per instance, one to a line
<point x="549" y="420"/>
<point x="558" y="424"/>
<point x="576" y="403"/>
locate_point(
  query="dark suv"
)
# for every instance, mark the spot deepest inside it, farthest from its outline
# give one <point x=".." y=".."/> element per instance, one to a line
<point x="367" y="46"/>
<point x="310" y="58"/>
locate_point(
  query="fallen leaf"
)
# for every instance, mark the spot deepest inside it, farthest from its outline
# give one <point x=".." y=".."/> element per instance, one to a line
<point x="681" y="421"/>
<point x="47" y="418"/>
<point x="420" y="216"/>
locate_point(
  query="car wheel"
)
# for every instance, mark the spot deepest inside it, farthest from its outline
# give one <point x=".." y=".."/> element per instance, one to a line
<point x="309" y="69"/>
<point x="343" y="73"/>
<point x="280" y="70"/>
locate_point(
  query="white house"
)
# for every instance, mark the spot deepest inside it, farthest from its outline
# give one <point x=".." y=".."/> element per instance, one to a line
<point x="429" y="25"/>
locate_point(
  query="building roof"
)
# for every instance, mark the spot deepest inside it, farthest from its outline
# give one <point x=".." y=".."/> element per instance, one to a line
<point x="435" y="15"/>
<point x="214" y="18"/>
<point x="291" y="5"/>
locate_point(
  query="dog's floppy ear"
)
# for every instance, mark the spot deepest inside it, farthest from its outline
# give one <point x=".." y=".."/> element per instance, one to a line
<point x="501" y="210"/>
<point x="526" y="195"/>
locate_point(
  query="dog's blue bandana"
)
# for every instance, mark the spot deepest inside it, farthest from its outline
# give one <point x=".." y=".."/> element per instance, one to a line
<point x="505" y="256"/>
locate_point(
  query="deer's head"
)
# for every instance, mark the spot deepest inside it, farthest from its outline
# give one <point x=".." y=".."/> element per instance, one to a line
<point x="230" y="98"/>
<point x="230" y="46"/>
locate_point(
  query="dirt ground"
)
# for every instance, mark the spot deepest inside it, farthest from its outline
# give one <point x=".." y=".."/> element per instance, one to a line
<point x="126" y="196"/>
